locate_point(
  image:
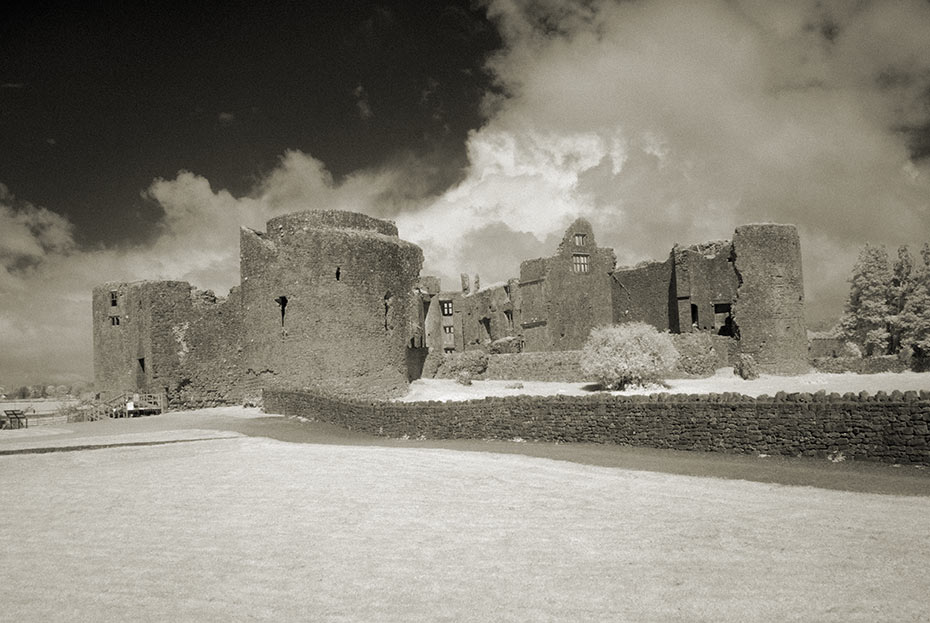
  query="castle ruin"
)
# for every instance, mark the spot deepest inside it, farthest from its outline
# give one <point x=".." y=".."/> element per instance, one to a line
<point x="334" y="300"/>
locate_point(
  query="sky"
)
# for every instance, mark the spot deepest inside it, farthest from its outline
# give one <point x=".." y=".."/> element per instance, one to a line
<point x="134" y="142"/>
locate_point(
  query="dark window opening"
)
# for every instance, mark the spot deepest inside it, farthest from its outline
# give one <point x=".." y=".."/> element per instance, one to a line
<point x="142" y="364"/>
<point x="580" y="263"/>
<point x="579" y="240"/>
<point x="338" y="272"/>
<point x="723" y="319"/>
<point x="694" y="315"/>
<point x="113" y="299"/>
<point x="509" y="315"/>
<point x="486" y="325"/>
<point x="448" y="330"/>
<point x="282" y="302"/>
<point x="388" y="301"/>
<point x="446" y="307"/>
<point x="448" y="350"/>
<point x="114" y="321"/>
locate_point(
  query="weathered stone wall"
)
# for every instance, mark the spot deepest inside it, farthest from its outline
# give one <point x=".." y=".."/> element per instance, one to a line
<point x="540" y="366"/>
<point x="859" y="365"/>
<point x="645" y="293"/>
<point x="565" y="365"/>
<point x="169" y="339"/>
<point x="705" y="275"/>
<point x="534" y="308"/>
<point x="828" y="347"/>
<point x="769" y="308"/>
<point x="348" y="281"/>
<point x="139" y="352"/>
<point x="209" y="352"/>
<point x="485" y="315"/>
<point x="890" y="428"/>
<point x="571" y="296"/>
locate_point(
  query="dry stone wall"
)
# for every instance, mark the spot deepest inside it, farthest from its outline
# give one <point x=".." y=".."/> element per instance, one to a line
<point x="890" y="428"/>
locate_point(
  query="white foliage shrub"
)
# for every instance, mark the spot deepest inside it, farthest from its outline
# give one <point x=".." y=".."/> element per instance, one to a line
<point x="629" y="354"/>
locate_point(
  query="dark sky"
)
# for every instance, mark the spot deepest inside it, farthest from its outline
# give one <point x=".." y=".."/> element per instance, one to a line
<point x="99" y="100"/>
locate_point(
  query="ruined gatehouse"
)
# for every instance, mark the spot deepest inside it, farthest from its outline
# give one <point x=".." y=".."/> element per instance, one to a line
<point x="334" y="300"/>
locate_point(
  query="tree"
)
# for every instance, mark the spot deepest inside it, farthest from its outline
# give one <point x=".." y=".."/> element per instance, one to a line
<point x="914" y="319"/>
<point x="633" y="353"/>
<point x="867" y="318"/>
<point x="902" y="287"/>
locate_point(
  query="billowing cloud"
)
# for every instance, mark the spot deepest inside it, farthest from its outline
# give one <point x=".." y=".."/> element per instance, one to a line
<point x="46" y="281"/>
<point x="668" y="122"/>
<point x="659" y="121"/>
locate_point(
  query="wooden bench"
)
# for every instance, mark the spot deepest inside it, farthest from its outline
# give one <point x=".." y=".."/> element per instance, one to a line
<point x="15" y="418"/>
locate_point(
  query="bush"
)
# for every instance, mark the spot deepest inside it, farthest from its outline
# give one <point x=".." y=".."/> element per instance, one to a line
<point x="697" y="356"/>
<point x="463" y="377"/>
<point x="634" y="353"/>
<point x="745" y="367"/>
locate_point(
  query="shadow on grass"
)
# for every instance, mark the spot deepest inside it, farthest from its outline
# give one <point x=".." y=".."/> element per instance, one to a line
<point x="858" y="476"/>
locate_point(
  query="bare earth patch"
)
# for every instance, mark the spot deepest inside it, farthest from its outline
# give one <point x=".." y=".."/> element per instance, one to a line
<point x="245" y="528"/>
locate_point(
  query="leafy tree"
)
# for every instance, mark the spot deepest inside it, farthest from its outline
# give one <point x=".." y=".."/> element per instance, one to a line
<point x="867" y="318"/>
<point x="914" y="319"/>
<point x="902" y="287"/>
<point x="633" y="353"/>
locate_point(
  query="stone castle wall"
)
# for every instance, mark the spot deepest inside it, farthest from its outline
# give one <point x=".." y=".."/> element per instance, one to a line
<point x="326" y="298"/>
<point x="169" y="338"/>
<point x="889" y="428"/>
<point x="565" y="296"/>
<point x="769" y="306"/>
<point x="646" y="294"/>
<point x="751" y="288"/>
<point x="334" y="299"/>
<point x="133" y="341"/>
<point x="349" y="284"/>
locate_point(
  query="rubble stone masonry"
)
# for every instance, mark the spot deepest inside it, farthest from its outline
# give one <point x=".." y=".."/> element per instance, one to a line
<point x="326" y="298"/>
<point x="891" y="428"/>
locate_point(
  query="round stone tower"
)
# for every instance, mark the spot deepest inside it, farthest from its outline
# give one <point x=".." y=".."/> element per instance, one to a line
<point x="769" y="308"/>
<point x="325" y="301"/>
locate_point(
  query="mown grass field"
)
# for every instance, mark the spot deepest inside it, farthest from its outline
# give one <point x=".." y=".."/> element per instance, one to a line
<point x="229" y="526"/>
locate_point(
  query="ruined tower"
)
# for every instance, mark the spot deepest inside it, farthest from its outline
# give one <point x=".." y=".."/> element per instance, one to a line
<point x="325" y="300"/>
<point x="769" y="306"/>
<point x="154" y="336"/>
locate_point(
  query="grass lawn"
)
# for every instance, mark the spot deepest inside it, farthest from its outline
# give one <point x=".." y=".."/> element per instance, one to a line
<point x="229" y="526"/>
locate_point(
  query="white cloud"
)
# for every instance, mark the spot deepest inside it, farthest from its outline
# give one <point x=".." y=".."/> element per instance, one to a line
<point x="665" y="121"/>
